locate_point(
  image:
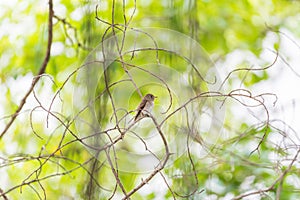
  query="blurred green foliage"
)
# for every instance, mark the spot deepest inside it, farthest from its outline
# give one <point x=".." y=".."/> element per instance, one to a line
<point x="219" y="26"/>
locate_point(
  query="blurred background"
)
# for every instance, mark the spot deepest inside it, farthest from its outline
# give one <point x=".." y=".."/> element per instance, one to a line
<point x="243" y="143"/>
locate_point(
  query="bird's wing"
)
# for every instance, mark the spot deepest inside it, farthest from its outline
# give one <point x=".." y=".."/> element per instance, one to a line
<point x="140" y="108"/>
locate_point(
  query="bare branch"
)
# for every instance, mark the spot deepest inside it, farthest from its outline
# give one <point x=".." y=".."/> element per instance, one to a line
<point x="41" y="71"/>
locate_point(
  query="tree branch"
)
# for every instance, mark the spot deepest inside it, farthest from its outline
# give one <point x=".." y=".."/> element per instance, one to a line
<point x="41" y="71"/>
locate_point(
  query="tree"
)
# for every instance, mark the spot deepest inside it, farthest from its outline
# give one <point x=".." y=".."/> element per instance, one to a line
<point x="73" y="73"/>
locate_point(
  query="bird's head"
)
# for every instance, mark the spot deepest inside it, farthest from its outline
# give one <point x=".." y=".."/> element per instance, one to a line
<point x="150" y="97"/>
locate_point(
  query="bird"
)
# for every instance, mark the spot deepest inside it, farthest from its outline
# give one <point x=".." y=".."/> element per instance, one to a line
<point x="145" y="107"/>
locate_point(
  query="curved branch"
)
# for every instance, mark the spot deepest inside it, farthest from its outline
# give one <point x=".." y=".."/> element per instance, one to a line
<point x="41" y="71"/>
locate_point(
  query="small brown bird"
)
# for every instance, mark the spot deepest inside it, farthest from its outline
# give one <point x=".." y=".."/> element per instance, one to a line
<point x="145" y="107"/>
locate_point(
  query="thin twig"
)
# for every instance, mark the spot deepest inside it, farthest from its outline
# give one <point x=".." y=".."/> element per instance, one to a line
<point x="41" y="71"/>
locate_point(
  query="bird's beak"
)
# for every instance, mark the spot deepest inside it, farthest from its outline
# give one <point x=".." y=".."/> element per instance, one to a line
<point x="155" y="96"/>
